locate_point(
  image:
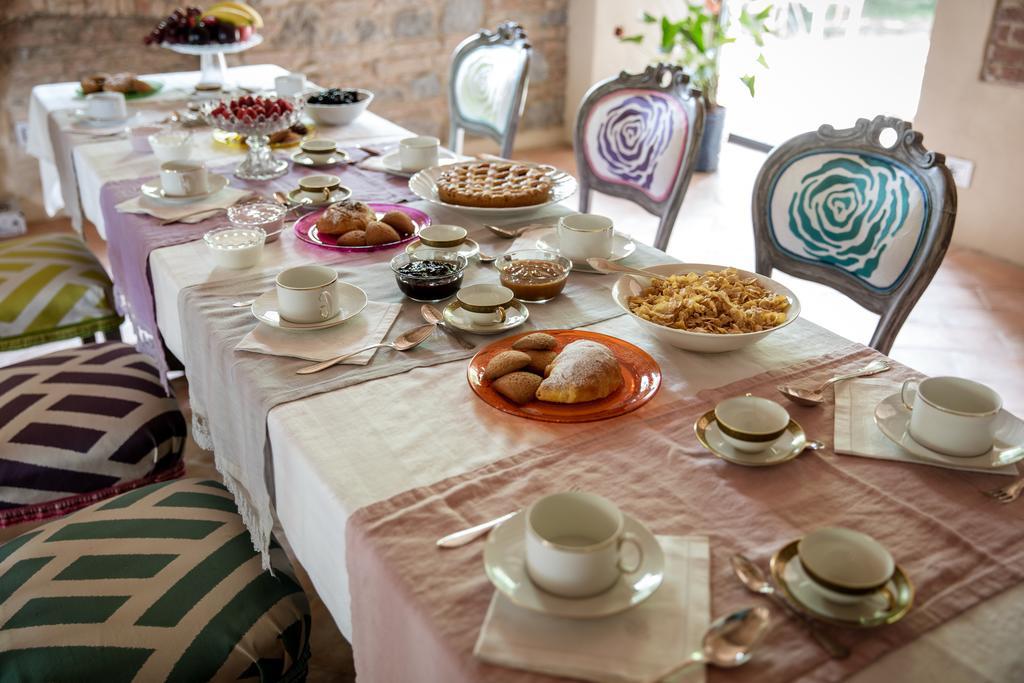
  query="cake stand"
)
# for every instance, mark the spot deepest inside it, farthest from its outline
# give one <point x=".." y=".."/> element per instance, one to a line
<point x="260" y="163"/>
<point x="212" y="66"/>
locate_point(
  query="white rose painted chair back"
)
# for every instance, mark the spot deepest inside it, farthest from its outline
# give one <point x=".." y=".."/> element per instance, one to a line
<point x="870" y="219"/>
<point x="487" y="86"/>
<point x="637" y="137"/>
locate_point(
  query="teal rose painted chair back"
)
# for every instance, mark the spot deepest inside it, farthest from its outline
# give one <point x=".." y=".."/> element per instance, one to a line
<point x="636" y="137"/>
<point x="487" y="86"/>
<point x="870" y="219"/>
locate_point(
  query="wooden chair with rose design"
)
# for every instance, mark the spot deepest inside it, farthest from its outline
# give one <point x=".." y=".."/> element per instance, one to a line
<point x="868" y="217"/>
<point x="637" y="137"/>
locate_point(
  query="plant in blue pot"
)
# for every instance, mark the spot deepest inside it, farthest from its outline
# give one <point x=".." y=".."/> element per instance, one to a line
<point x="695" y="41"/>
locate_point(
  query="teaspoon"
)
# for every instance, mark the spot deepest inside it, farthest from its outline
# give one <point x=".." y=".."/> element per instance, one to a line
<point x="434" y="317"/>
<point x="292" y="205"/>
<point x="405" y="341"/>
<point x="815" y="397"/>
<point x="755" y="581"/>
<point x="730" y="641"/>
<point x="603" y="265"/>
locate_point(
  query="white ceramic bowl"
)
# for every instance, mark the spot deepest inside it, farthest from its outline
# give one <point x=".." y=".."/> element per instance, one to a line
<point x="844" y="565"/>
<point x="750" y="423"/>
<point x="339" y="114"/>
<point x="236" y="248"/>
<point x="171" y="146"/>
<point x="702" y="342"/>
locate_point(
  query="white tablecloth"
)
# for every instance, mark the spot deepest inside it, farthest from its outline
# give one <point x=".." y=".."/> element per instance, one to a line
<point x="337" y="452"/>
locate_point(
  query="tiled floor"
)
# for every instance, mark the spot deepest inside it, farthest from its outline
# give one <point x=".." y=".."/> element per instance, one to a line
<point x="970" y="322"/>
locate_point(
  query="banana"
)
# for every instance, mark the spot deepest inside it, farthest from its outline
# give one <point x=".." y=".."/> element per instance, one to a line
<point x="229" y="15"/>
<point x="253" y="17"/>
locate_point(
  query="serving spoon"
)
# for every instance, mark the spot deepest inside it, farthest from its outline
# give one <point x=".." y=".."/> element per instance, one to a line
<point x="815" y="397"/>
<point x="405" y="341"/>
<point x="729" y="641"/>
<point x="755" y="581"/>
<point x="603" y="265"/>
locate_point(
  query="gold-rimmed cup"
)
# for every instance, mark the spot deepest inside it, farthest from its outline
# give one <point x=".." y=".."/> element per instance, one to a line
<point x="320" y="150"/>
<point x="845" y="565"/>
<point x="439" y="236"/>
<point x="485" y="304"/>
<point x="952" y="415"/>
<point x="319" y="187"/>
<point x="750" y="423"/>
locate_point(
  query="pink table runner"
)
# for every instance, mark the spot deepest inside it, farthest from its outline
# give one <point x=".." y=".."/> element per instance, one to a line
<point x="417" y="610"/>
<point x="131" y="237"/>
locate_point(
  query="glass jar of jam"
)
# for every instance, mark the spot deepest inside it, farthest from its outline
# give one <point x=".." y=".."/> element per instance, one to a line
<point x="429" y="274"/>
<point x="534" y="275"/>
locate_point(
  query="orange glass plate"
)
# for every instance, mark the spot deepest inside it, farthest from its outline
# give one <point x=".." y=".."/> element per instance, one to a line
<point x="641" y="379"/>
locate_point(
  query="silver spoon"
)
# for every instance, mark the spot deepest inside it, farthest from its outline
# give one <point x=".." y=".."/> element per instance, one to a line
<point x="405" y="341"/>
<point x="434" y="317"/>
<point x="243" y="304"/>
<point x="486" y="258"/>
<point x="815" y="397"/>
<point x="729" y="641"/>
<point x="510" y="233"/>
<point x="603" y="265"/>
<point x="755" y="581"/>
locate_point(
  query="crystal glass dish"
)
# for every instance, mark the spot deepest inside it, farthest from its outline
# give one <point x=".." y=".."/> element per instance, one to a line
<point x="260" y="163"/>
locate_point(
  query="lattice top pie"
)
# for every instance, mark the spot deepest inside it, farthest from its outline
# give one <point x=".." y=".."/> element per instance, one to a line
<point x="494" y="185"/>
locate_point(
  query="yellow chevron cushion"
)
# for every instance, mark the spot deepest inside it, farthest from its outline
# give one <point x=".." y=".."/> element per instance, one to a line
<point x="159" y="584"/>
<point x="51" y="288"/>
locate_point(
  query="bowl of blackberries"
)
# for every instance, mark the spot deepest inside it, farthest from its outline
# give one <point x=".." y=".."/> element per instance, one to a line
<point x="338" y="106"/>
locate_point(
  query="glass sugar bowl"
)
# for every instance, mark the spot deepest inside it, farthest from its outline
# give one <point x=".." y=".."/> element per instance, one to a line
<point x="266" y="216"/>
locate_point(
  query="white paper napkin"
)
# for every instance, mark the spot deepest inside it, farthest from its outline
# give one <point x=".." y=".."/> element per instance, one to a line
<point x="227" y="197"/>
<point x="857" y="434"/>
<point x="636" y="645"/>
<point x="369" y="327"/>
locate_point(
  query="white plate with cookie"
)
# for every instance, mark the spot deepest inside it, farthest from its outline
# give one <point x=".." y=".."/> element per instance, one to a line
<point x="493" y="189"/>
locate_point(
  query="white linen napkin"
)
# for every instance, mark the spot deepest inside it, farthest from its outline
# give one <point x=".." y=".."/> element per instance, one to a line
<point x="857" y="434"/>
<point x="636" y="645"/>
<point x="369" y="327"/>
<point x="227" y="197"/>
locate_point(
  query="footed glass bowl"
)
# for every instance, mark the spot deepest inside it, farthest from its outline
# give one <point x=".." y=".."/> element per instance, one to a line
<point x="260" y="163"/>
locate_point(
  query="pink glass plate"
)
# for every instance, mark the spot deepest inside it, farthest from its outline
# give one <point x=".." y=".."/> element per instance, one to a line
<point x="305" y="228"/>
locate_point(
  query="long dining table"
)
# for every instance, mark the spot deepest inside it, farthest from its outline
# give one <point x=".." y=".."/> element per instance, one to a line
<point x="337" y="452"/>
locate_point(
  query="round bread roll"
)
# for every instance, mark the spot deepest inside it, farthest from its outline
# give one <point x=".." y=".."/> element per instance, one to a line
<point x="400" y="221"/>
<point x="345" y="216"/>
<point x="353" y="238"/>
<point x="381" y="233"/>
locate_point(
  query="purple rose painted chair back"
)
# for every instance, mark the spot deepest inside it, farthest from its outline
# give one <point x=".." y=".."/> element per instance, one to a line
<point x="868" y="218"/>
<point x="637" y="137"/>
<point x="487" y="86"/>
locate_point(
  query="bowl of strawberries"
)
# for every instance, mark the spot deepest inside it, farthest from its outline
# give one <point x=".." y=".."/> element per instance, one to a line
<point x="256" y="119"/>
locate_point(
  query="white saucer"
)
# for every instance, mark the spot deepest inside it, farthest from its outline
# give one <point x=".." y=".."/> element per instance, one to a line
<point x="622" y="246"/>
<point x="393" y="164"/>
<point x="505" y="564"/>
<point x="302" y="158"/>
<point x="515" y="315"/>
<point x="785" y="448"/>
<point x="893" y="419"/>
<point x="154" y="190"/>
<point x="81" y="118"/>
<point x="469" y="248"/>
<point x="341" y="194"/>
<point x="352" y="301"/>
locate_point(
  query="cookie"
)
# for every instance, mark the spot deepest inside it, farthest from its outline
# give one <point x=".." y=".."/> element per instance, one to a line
<point x="506" y="362"/>
<point x="400" y="221"/>
<point x="539" y="360"/>
<point x="380" y="233"/>
<point x="353" y="238"/>
<point x="537" y="341"/>
<point x="520" y="387"/>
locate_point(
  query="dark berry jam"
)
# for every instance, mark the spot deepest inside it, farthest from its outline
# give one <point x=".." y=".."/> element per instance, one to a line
<point x="429" y="280"/>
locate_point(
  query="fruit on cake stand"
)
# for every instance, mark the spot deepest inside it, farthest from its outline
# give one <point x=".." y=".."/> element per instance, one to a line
<point x="256" y="118"/>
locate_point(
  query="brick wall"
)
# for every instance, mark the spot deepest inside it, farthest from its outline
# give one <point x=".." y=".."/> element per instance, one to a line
<point x="398" y="48"/>
<point x="1004" y="53"/>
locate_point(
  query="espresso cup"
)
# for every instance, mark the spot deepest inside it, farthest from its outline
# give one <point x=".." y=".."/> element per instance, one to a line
<point x="106" y="106"/>
<point x="574" y="544"/>
<point x="306" y="294"/>
<point x="319" y="188"/>
<point x="290" y="85"/>
<point x="585" y="235"/>
<point x="184" y="178"/>
<point x="419" y="152"/>
<point x="319" y="150"/>
<point x="485" y="304"/>
<point x="952" y="415"/>
<point x="443" y="236"/>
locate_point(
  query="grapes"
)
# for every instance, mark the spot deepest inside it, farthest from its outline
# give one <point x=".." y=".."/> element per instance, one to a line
<point x="189" y="26"/>
<point x="335" y="96"/>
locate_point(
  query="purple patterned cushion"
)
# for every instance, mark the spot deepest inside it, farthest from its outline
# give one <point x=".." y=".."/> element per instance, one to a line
<point x="80" y="425"/>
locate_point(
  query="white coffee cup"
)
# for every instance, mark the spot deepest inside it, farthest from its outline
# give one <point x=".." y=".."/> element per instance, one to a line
<point x="952" y="415"/>
<point x="574" y="544"/>
<point x="319" y="150"/>
<point x="485" y="304"/>
<point x="585" y="235"/>
<point x="106" y="106"/>
<point x="306" y="294"/>
<point x="319" y="187"/>
<point x="184" y="178"/>
<point x="290" y="85"/>
<point x="419" y="152"/>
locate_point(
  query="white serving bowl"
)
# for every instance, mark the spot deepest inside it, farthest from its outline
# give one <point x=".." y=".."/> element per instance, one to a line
<point x="339" y="114"/>
<point x="702" y="342"/>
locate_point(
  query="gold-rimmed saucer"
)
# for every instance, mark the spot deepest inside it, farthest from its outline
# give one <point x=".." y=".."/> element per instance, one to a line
<point x="516" y="315"/>
<point x="885" y="606"/>
<point x="338" y="157"/>
<point x="791" y="444"/>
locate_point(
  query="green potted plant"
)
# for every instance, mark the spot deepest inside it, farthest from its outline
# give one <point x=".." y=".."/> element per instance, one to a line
<point x="695" y="42"/>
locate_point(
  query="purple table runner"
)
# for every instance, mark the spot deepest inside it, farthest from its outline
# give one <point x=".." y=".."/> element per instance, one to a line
<point x="132" y="237"/>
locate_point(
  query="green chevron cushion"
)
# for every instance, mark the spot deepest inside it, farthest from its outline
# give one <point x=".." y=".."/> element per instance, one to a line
<point x="52" y="287"/>
<point x="81" y="425"/>
<point x="158" y="584"/>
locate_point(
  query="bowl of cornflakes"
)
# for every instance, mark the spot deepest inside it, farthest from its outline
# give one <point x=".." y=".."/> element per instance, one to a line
<point x="706" y="308"/>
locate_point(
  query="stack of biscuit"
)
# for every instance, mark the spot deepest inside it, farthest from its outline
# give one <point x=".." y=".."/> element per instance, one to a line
<point x="355" y="224"/>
